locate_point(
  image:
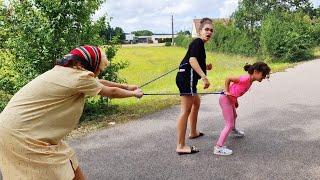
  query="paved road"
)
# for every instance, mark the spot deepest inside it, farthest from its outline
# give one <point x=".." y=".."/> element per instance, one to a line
<point x="281" y="119"/>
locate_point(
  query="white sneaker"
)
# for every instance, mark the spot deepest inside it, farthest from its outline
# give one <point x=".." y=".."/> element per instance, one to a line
<point x="223" y="151"/>
<point x="237" y="133"/>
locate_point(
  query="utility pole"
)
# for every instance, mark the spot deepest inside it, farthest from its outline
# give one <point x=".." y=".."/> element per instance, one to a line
<point x="110" y="29"/>
<point x="172" y="42"/>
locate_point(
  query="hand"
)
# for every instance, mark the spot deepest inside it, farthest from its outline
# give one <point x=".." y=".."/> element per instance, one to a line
<point x="138" y="93"/>
<point x="227" y="93"/>
<point x="132" y="87"/>
<point x="206" y="82"/>
<point x="209" y="66"/>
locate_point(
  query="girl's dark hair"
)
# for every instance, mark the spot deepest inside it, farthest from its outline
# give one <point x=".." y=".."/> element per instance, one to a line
<point x="204" y="21"/>
<point x="258" y="66"/>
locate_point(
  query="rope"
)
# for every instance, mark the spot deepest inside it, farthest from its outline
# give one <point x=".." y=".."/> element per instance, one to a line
<point x="175" y="94"/>
<point x="172" y="94"/>
<point x="161" y="75"/>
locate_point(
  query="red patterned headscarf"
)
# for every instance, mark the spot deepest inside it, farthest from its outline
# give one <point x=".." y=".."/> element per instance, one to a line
<point x="88" y="56"/>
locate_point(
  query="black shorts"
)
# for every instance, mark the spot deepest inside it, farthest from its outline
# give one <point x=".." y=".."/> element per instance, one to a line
<point x="187" y="82"/>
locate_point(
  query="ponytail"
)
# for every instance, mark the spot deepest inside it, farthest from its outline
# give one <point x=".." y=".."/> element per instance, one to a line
<point x="249" y="68"/>
<point x="258" y="66"/>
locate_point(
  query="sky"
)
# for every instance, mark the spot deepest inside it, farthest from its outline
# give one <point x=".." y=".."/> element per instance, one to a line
<point x="155" y="15"/>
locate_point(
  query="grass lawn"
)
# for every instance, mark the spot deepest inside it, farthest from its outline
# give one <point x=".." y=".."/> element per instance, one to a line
<point x="146" y="63"/>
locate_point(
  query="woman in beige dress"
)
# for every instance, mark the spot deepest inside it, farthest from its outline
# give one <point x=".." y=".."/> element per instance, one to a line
<point x="44" y="111"/>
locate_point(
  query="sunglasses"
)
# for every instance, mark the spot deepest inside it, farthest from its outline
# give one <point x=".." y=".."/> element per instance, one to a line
<point x="208" y="29"/>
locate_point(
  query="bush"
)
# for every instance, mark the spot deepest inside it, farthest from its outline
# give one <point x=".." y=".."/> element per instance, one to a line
<point x="4" y="99"/>
<point x="287" y="36"/>
<point x="43" y="31"/>
<point x="8" y="78"/>
<point x="229" y="39"/>
<point x="167" y="44"/>
<point x="182" y="40"/>
<point x="316" y="32"/>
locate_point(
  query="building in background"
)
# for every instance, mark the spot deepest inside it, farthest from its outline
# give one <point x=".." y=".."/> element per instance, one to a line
<point x="155" y="38"/>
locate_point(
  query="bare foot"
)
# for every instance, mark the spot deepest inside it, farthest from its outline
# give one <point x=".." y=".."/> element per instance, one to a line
<point x="187" y="150"/>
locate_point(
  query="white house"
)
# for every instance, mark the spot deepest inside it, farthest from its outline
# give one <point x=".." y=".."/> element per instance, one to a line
<point x="129" y="37"/>
<point x="155" y="38"/>
<point x="160" y="38"/>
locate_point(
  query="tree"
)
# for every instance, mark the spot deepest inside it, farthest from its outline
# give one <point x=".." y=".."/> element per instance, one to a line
<point x="142" y="33"/>
<point x="250" y="13"/>
<point x="186" y="33"/>
<point x="287" y="36"/>
<point x="3" y="29"/>
<point x="44" y="31"/>
<point x="119" y="33"/>
<point x="107" y="33"/>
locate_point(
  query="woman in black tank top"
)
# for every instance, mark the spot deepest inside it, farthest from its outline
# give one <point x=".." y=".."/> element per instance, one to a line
<point x="192" y="68"/>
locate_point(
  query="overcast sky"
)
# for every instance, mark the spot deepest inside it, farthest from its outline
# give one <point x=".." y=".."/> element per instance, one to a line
<point x="155" y="15"/>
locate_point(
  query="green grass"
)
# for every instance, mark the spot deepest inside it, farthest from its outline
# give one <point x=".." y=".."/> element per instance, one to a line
<point x="146" y="63"/>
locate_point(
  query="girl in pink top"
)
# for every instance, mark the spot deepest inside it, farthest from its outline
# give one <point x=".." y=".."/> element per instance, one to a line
<point x="234" y="88"/>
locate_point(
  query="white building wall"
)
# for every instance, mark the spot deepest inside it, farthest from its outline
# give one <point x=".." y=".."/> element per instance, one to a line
<point x="194" y="31"/>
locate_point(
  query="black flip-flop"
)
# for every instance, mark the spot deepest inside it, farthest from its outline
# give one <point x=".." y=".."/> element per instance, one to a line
<point x="193" y="150"/>
<point x="200" y="134"/>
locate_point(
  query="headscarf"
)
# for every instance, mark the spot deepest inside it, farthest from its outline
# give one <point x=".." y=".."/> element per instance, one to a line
<point x="88" y="56"/>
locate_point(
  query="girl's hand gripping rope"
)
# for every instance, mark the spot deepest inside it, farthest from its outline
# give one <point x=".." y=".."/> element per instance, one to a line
<point x="138" y="93"/>
<point x="227" y="93"/>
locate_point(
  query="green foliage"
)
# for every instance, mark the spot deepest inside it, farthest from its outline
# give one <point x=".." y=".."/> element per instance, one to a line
<point x="226" y="39"/>
<point x="111" y="73"/>
<point x="142" y="33"/>
<point x="41" y="31"/>
<point x="4" y="33"/>
<point x="287" y="36"/>
<point x="8" y="78"/>
<point x="229" y="39"/>
<point x="316" y="31"/>
<point x="118" y="32"/>
<point x="182" y="40"/>
<point x="107" y="33"/>
<point x="249" y="14"/>
<point x="44" y="31"/>
<point x="167" y="43"/>
<point x="186" y="33"/>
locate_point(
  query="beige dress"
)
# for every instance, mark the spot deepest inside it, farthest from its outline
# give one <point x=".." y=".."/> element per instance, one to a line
<point x="37" y="118"/>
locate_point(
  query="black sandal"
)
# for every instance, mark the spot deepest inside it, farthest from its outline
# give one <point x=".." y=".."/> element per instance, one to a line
<point x="200" y="134"/>
<point x="193" y="149"/>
